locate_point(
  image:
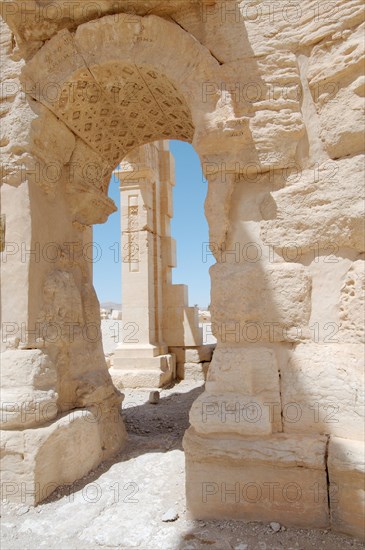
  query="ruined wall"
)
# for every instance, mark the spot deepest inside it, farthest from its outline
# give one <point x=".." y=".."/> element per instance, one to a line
<point x="286" y="382"/>
<point x="270" y="94"/>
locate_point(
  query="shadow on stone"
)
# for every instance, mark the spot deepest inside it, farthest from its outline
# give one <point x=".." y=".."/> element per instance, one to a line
<point x="150" y="429"/>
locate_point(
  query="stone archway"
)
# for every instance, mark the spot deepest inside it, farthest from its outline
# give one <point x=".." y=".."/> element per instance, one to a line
<point x="62" y="138"/>
<point x="115" y="102"/>
<point x="87" y="107"/>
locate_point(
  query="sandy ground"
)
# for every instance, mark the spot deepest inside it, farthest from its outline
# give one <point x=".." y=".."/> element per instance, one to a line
<point x="122" y="503"/>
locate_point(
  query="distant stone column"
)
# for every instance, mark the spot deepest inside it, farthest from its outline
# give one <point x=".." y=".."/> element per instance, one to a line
<point x="156" y="313"/>
<point x="142" y="358"/>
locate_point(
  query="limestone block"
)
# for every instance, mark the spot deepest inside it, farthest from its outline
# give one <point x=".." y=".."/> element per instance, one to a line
<point x="352" y="304"/>
<point x="36" y="461"/>
<point x="137" y="351"/>
<point x="286" y="26"/>
<point x="167" y="167"/>
<point x="287" y="130"/>
<point x="328" y="275"/>
<point x="242" y="389"/>
<point x="169" y="251"/>
<point x="181" y="327"/>
<point x="28" y="29"/>
<point x="337" y="86"/>
<point x="230" y="413"/>
<point x="29" y="127"/>
<point x="176" y="295"/>
<point x="50" y="139"/>
<point x="166" y="200"/>
<point x="341" y="120"/>
<point x="192" y="371"/>
<point x="266" y="302"/>
<point x="165" y="226"/>
<point x="322" y="390"/>
<point x="152" y="372"/>
<point x="344" y="56"/>
<point x="28" y="389"/>
<point x="87" y="183"/>
<point x="317" y="210"/>
<point x="17" y="114"/>
<point x="199" y="354"/>
<point x="281" y="478"/>
<point x="249" y="370"/>
<point x="35" y="74"/>
<point x="346" y="469"/>
<point x="14" y="273"/>
<point x="218" y="203"/>
<point x="62" y="300"/>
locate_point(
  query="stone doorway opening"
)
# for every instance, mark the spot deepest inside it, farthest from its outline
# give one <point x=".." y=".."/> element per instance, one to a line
<point x="155" y="336"/>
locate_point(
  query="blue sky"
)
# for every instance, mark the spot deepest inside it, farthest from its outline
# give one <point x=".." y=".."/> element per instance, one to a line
<point x="189" y="227"/>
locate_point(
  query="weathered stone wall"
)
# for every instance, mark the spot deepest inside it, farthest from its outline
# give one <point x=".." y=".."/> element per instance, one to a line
<point x="270" y="95"/>
<point x="289" y="358"/>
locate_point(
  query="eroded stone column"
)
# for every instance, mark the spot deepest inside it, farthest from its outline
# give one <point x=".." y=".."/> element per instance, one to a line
<point x="240" y="463"/>
<point x="276" y="434"/>
<point x="60" y="413"/>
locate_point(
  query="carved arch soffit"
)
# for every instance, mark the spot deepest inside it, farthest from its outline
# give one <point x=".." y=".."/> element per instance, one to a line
<point x="116" y="86"/>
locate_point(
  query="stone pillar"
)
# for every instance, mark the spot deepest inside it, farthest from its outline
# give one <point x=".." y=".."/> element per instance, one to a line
<point x="156" y="313"/>
<point x="60" y="413"/>
<point x="180" y="323"/>
<point x="239" y="461"/>
<point x="142" y="358"/>
<point x="277" y="435"/>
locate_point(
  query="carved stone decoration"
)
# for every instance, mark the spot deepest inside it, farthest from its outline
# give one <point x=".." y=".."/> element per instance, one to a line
<point x="2" y="232"/>
<point x="132" y="253"/>
<point x="100" y="105"/>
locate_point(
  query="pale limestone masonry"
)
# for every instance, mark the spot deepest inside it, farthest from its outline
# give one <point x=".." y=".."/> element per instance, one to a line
<point x="156" y="312"/>
<point x="192" y="363"/>
<point x="270" y="94"/>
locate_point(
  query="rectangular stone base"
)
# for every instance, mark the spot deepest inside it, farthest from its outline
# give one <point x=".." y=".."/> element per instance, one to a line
<point x="35" y="461"/>
<point x="126" y="351"/>
<point x="278" y="478"/>
<point x="143" y="372"/>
